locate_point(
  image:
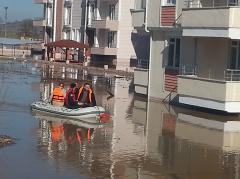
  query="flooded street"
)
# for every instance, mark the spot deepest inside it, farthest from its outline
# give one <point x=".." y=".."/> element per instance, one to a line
<point x="142" y="139"/>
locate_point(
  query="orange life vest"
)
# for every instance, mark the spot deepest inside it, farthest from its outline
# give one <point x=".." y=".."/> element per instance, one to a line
<point x="90" y="92"/>
<point x="56" y="132"/>
<point x="57" y="95"/>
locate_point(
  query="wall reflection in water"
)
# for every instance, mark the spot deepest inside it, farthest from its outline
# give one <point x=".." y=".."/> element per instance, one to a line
<point x="143" y="140"/>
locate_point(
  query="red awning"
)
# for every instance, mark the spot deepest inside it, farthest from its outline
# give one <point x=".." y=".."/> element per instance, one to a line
<point x="67" y="44"/>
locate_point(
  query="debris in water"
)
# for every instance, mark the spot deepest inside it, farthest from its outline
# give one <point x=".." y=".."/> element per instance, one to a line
<point x="5" y="140"/>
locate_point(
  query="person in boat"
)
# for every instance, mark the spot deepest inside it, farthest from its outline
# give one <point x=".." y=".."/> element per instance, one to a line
<point x="77" y="90"/>
<point x="58" y="95"/>
<point x="70" y="98"/>
<point x="86" y="97"/>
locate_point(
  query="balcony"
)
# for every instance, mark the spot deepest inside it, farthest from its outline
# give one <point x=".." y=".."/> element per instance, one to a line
<point x="220" y="95"/>
<point x="68" y="3"/>
<point x="138" y="18"/>
<point x="103" y="50"/>
<point x="43" y="1"/>
<point x="212" y="20"/>
<point x="111" y="25"/>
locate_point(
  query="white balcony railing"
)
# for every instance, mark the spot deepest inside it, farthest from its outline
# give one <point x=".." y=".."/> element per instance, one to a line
<point x="232" y="75"/>
<point x="228" y="74"/>
<point x="211" y="3"/>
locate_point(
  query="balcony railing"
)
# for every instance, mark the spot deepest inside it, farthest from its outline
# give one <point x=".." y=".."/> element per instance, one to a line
<point x="110" y="45"/>
<point x="232" y="75"/>
<point x="143" y="63"/>
<point x="211" y="4"/>
<point x="228" y="74"/>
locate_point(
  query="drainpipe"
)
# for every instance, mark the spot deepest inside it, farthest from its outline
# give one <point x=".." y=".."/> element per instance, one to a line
<point x="85" y="28"/>
<point x="146" y="13"/>
<point x="85" y="22"/>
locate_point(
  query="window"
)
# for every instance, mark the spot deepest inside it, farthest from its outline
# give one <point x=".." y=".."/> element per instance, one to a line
<point x="112" y="8"/>
<point x="49" y="15"/>
<point x="73" y="34"/>
<point x="112" y="39"/>
<point x="173" y="52"/>
<point x="67" y="19"/>
<point x="67" y="35"/>
<point x="233" y="3"/>
<point x="235" y="55"/>
<point x="169" y="2"/>
<point x="143" y="4"/>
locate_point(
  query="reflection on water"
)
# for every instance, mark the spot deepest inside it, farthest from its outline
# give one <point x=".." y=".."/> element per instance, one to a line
<point x="142" y="140"/>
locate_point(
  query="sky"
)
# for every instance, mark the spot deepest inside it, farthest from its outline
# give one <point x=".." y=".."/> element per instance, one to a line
<point x="20" y="9"/>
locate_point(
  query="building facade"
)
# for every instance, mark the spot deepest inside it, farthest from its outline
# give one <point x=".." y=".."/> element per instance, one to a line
<point x="142" y="48"/>
<point x="194" y="52"/>
<point x="62" y="19"/>
<point x="111" y="33"/>
<point x="105" y="25"/>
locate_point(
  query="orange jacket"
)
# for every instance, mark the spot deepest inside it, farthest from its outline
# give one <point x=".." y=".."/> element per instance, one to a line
<point x="90" y="93"/>
<point x="57" y="95"/>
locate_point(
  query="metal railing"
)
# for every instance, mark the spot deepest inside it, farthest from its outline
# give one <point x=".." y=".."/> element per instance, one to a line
<point x="188" y="70"/>
<point x="211" y="3"/>
<point x="143" y="63"/>
<point x="232" y="75"/>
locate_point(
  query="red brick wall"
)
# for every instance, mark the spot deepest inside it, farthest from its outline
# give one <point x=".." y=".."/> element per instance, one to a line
<point x="59" y="19"/>
<point x="171" y="79"/>
<point x="168" y="15"/>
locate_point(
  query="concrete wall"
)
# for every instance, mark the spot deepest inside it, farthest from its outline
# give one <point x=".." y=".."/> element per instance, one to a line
<point x="153" y="13"/>
<point x="77" y="14"/>
<point x="232" y="91"/>
<point x="125" y="45"/>
<point x="209" y="89"/>
<point x="59" y="19"/>
<point x="212" y="57"/>
<point x="188" y="52"/>
<point x="141" y="81"/>
<point x="180" y="4"/>
<point x="156" y="74"/>
<point x="138" y="18"/>
<point x="202" y="88"/>
<point x="218" y="18"/>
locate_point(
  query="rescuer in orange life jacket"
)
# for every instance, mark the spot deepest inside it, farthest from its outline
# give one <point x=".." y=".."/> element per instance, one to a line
<point x="85" y="96"/>
<point x="58" y="95"/>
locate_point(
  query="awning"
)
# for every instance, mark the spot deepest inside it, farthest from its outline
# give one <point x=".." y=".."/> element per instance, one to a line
<point x="67" y="44"/>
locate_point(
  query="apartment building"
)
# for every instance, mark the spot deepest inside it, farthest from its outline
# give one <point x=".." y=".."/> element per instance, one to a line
<point x="210" y="55"/>
<point x="62" y="19"/>
<point x="142" y="48"/>
<point x="194" y="56"/>
<point x="159" y="20"/>
<point x="110" y="31"/>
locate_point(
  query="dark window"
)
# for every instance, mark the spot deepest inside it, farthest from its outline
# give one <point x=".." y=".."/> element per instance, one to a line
<point x="174" y="52"/>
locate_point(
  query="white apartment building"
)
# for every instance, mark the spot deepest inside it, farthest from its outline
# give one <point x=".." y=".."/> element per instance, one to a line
<point x="110" y="25"/>
<point x="194" y="53"/>
<point x="62" y="19"/>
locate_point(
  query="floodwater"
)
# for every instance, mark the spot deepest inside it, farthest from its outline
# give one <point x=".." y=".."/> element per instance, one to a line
<point x="142" y="140"/>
